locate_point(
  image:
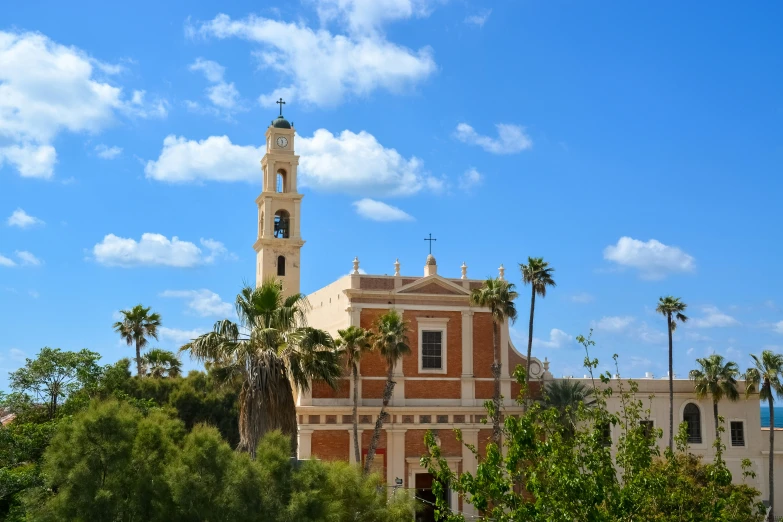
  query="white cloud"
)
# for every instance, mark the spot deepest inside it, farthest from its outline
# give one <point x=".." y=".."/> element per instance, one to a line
<point x="106" y="152"/>
<point x="479" y="19"/>
<point x="613" y="323"/>
<point x="47" y="88"/>
<point x="323" y="68"/>
<point x="368" y="16"/>
<point x="177" y="336"/>
<point x="155" y="249"/>
<point x="359" y="164"/>
<point x="653" y="259"/>
<point x="222" y="94"/>
<point x="470" y="178"/>
<point x="582" y="298"/>
<point x="17" y="354"/>
<point x="203" y="302"/>
<point x="511" y="138"/>
<point x="650" y="335"/>
<point x="693" y="336"/>
<point x="379" y="211"/>
<point x="689" y="351"/>
<point x="351" y="163"/>
<point x="778" y="327"/>
<point x="24" y="258"/>
<point x="20" y="218"/>
<point x="28" y="259"/>
<point x="212" y="159"/>
<point x="557" y="339"/>
<point x="713" y="318"/>
<point x="33" y="294"/>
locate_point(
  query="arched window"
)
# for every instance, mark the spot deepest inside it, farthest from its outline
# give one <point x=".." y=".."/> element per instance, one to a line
<point x="692" y="416"/>
<point x="261" y="225"/>
<point x="280" y="181"/>
<point x="282" y="224"/>
<point x="281" y="266"/>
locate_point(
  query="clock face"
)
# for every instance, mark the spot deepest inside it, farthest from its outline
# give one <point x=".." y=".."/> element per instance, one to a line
<point x="282" y="142"/>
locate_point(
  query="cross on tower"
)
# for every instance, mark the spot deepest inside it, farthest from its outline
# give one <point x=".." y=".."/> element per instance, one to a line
<point x="281" y="103"/>
<point x="430" y="239"/>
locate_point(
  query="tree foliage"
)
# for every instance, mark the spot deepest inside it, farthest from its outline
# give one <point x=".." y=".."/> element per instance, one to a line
<point x="551" y="471"/>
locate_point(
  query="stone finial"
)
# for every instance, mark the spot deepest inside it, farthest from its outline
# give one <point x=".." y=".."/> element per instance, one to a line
<point x="501" y="273"/>
<point x="546" y="364"/>
<point x="464" y="268"/>
<point x="397" y="268"/>
<point x="355" y="266"/>
<point x="431" y="266"/>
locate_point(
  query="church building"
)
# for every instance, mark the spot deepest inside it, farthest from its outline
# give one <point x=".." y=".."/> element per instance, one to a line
<point x="446" y="379"/>
<point x="441" y="385"/>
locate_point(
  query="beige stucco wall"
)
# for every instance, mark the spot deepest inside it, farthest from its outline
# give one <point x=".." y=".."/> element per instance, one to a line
<point x="778" y="465"/>
<point x="328" y="307"/>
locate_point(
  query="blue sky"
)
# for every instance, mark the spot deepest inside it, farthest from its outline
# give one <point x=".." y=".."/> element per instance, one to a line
<point x="638" y="148"/>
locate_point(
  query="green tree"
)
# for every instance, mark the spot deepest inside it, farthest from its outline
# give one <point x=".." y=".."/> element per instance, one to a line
<point x="137" y="324"/>
<point x="159" y="362"/>
<point x="672" y="308"/>
<point x="498" y="296"/>
<point x="764" y="378"/>
<point x="55" y="374"/>
<point x="353" y="343"/>
<point x="538" y="274"/>
<point x="565" y="395"/>
<point x="270" y="350"/>
<point x="717" y="380"/>
<point x="390" y="339"/>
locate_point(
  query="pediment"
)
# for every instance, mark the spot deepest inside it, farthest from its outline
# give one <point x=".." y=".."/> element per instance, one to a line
<point x="433" y="285"/>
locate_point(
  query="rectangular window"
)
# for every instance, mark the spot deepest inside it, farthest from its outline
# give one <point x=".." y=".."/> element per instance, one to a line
<point x="647" y="428"/>
<point x="606" y="434"/>
<point x="737" y="433"/>
<point x="432" y="350"/>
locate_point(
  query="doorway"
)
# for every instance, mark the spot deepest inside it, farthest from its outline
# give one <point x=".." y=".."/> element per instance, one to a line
<point x="426" y="497"/>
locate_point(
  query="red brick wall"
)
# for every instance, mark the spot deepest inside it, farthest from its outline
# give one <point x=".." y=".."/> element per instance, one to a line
<point x="321" y="390"/>
<point x="376" y="283"/>
<point x="484" y="389"/>
<point x="415" y="447"/>
<point x="484" y="437"/>
<point x="434" y="389"/>
<point x="373" y="389"/>
<point x="372" y="364"/>
<point x="330" y="444"/>
<point x="482" y="345"/>
<point x="453" y="342"/>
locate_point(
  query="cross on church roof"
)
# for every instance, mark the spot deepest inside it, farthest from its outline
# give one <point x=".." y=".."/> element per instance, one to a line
<point x="430" y="239"/>
<point x="281" y="103"/>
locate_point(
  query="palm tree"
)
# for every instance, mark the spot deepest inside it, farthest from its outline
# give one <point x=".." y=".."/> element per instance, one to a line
<point x="672" y="308"/>
<point x="136" y="325"/>
<point x="764" y="377"/>
<point x="159" y="362"/>
<point x="565" y="396"/>
<point x="391" y="340"/>
<point x="272" y="351"/>
<point x="498" y="296"/>
<point x="354" y="342"/>
<point x="538" y="274"/>
<point x="717" y="380"/>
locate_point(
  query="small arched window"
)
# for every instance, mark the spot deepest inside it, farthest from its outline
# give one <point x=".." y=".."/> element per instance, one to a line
<point x="261" y="225"/>
<point x="692" y="416"/>
<point x="280" y="181"/>
<point x="281" y="266"/>
<point x="282" y="224"/>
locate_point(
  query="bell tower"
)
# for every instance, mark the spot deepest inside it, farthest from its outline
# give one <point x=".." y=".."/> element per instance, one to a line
<point x="279" y="241"/>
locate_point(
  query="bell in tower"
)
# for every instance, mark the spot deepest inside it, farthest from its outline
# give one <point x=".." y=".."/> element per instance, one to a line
<point x="279" y="241"/>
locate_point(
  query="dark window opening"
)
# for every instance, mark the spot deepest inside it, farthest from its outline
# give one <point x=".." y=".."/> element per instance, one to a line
<point x="282" y="224"/>
<point x="692" y="416"/>
<point x="737" y="429"/>
<point x="280" y="181"/>
<point x="647" y="428"/>
<point x="281" y="266"/>
<point x="432" y="350"/>
<point x="606" y="434"/>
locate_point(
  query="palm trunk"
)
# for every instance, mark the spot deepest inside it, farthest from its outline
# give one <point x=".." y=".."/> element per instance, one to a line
<point x="530" y="341"/>
<point x="715" y="414"/>
<point x="138" y="360"/>
<point x="771" y="458"/>
<point x="496" y="366"/>
<point x="356" y="450"/>
<point x="671" y="387"/>
<point x="251" y="423"/>
<point x="376" y="435"/>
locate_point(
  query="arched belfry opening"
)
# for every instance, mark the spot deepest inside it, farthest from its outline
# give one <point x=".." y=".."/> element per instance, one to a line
<point x="281" y="181"/>
<point x="282" y="224"/>
<point x="281" y="266"/>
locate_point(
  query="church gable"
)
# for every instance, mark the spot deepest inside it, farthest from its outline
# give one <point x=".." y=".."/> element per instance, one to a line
<point x="433" y="285"/>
